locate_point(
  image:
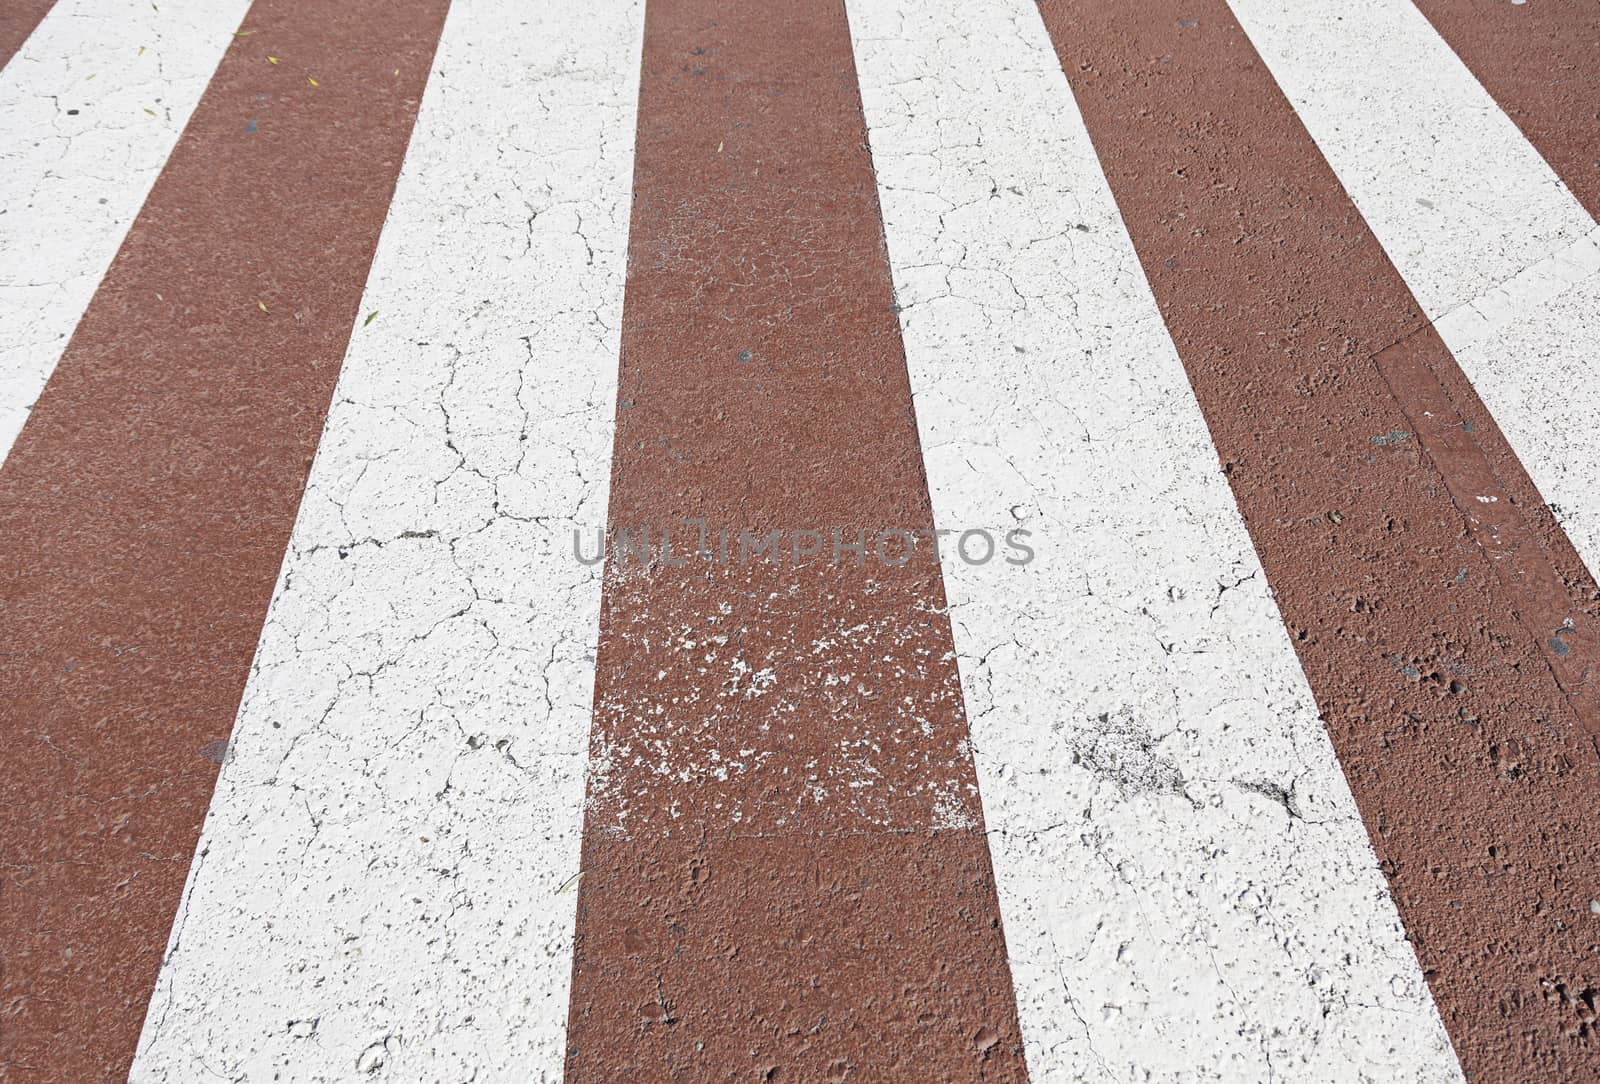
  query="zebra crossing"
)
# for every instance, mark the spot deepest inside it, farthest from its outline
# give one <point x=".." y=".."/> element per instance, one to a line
<point x="325" y="330"/>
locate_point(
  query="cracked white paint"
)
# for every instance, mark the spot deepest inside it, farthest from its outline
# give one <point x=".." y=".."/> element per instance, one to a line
<point x="1187" y="887"/>
<point x="71" y="183"/>
<point x="1501" y="308"/>
<point x="379" y="885"/>
<point x="1497" y="251"/>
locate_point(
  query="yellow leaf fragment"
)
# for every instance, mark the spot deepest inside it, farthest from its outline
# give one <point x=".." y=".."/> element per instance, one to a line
<point x="272" y="60"/>
<point x="312" y="81"/>
<point x="262" y="305"/>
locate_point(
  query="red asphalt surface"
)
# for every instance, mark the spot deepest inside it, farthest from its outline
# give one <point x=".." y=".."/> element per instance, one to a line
<point x="836" y="880"/>
<point x="786" y="914"/>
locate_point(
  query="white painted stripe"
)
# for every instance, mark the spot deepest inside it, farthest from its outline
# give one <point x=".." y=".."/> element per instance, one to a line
<point x="378" y="879"/>
<point x="1187" y="887"/>
<point x="90" y="108"/>
<point x="1495" y="248"/>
